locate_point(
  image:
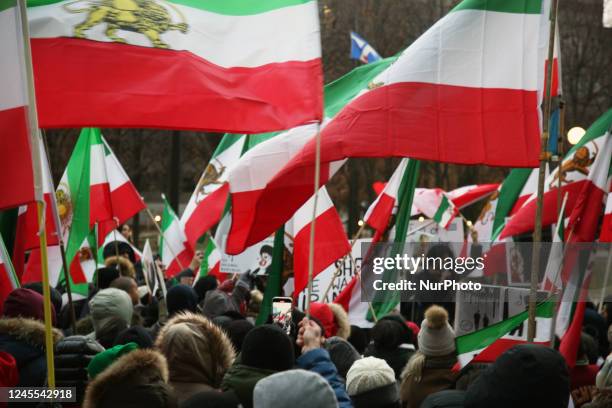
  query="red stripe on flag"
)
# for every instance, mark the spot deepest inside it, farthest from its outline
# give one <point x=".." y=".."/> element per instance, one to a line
<point x="206" y="214"/>
<point x="379" y="218"/>
<point x="129" y="86"/>
<point x="176" y="266"/>
<point x="16" y="174"/>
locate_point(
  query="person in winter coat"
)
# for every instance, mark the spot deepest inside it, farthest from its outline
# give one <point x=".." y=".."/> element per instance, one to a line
<point x="137" y="379"/>
<point x="429" y="370"/>
<point x="315" y="358"/>
<point x="391" y="341"/>
<point x="294" y="388"/>
<point x="265" y="350"/>
<point x="180" y="298"/>
<point x="333" y="318"/>
<point x="603" y="382"/>
<point x="22" y="335"/>
<point x="212" y="399"/>
<point x="72" y="356"/>
<point x="228" y="297"/>
<point x="371" y="384"/>
<point x="111" y="313"/>
<point x="198" y="353"/>
<point x="342" y="354"/>
<point x="527" y="375"/>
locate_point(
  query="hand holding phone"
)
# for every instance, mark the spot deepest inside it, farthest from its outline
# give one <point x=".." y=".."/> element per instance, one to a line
<point x="281" y="312"/>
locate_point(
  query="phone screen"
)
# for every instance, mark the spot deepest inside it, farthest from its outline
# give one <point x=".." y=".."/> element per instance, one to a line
<point x="281" y="312"/>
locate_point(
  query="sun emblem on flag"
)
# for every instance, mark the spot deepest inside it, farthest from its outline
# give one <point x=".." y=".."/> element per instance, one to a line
<point x="151" y="18"/>
<point x="64" y="206"/>
<point x="211" y="176"/>
<point x="580" y="162"/>
<point x="85" y="254"/>
<point x="374" y="85"/>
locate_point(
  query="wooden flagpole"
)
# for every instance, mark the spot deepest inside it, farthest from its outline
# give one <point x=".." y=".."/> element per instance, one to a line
<point x="317" y="179"/>
<point x="544" y="156"/>
<point x="34" y="133"/>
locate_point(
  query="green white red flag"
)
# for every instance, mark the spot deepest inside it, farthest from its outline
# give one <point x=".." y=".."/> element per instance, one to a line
<point x="436" y="205"/>
<point x="175" y="252"/>
<point x="606" y="225"/>
<point x="586" y="166"/>
<point x="485" y="345"/>
<point x="234" y="65"/>
<point x="211" y="263"/>
<point x="16" y="170"/>
<point x="206" y="205"/>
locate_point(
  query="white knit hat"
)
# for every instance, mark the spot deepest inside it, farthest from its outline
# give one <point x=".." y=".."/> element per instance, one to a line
<point x="367" y="374"/>
<point x="436" y="337"/>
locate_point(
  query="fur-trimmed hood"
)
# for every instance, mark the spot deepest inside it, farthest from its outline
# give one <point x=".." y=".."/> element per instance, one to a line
<point x="124" y="265"/>
<point x="342" y="320"/>
<point x="132" y="371"/>
<point x="29" y="331"/>
<point x="196" y="349"/>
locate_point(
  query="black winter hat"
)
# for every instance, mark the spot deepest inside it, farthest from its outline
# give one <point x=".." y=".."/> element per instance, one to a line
<point x="358" y="338"/>
<point x="135" y="334"/>
<point x="181" y="298"/>
<point x="342" y="354"/>
<point x="106" y="276"/>
<point x="527" y="375"/>
<point x="205" y="284"/>
<point x="212" y="399"/>
<point x="237" y="331"/>
<point x="269" y="347"/>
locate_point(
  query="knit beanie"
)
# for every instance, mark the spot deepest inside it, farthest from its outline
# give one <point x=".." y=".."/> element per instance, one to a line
<point x="237" y="331"/>
<point x="135" y="334"/>
<point x="342" y="354"/>
<point x="108" y="357"/>
<point x="604" y="377"/>
<point x="26" y="303"/>
<point x="269" y="347"/>
<point x="203" y="285"/>
<point x="294" y="388"/>
<point x="56" y="297"/>
<point x="108" y="304"/>
<point x="181" y="298"/>
<point x="323" y="313"/>
<point x="371" y="382"/>
<point x="106" y="276"/>
<point x="436" y="337"/>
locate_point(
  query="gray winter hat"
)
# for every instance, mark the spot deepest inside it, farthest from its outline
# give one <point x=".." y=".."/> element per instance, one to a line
<point x="294" y="388"/>
<point x="436" y="337"/>
<point x="108" y="304"/>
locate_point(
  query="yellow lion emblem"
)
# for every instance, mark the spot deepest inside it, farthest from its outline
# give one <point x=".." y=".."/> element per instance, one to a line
<point x="64" y="206"/>
<point x="211" y="175"/>
<point x="147" y="17"/>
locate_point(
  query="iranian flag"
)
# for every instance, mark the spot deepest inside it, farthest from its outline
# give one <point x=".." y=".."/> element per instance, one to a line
<point x="451" y="96"/>
<point x="8" y="278"/>
<point x="205" y="207"/>
<point x="606" y="225"/>
<point x="485" y="345"/>
<point x="113" y="236"/>
<point x="436" y="205"/>
<point x="211" y="264"/>
<point x="468" y="195"/>
<point x="350" y="300"/>
<point x="175" y="252"/>
<point x="331" y="242"/>
<point x="583" y="174"/>
<point x="16" y="170"/>
<point x="250" y="178"/>
<point x="552" y="274"/>
<point x="234" y="65"/>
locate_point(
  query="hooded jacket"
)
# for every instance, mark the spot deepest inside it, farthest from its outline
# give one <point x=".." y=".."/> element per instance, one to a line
<point x="111" y="313"/>
<point x="198" y="353"/>
<point x="241" y="379"/>
<point x="137" y="379"/>
<point x="24" y="339"/>
<point x="423" y="376"/>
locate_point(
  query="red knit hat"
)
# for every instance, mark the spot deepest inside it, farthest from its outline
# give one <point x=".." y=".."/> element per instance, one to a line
<point x="26" y="303"/>
<point x="323" y="313"/>
<point x="9" y="373"/>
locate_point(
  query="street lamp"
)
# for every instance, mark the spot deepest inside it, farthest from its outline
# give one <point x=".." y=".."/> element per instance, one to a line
<point x="575" y="134"/>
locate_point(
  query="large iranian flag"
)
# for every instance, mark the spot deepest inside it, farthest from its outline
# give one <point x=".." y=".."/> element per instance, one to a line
<point x="175" y="252"/>
<point x="585" y="166"/>
<point x="231" y="65"/>
<point x="206" y="205"/>
<point x="454" y="95"/>
<point x="16" y="171"/>
<point x="485" y="345"/>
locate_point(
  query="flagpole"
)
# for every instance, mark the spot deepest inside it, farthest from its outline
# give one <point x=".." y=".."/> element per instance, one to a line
<point x="317" y="179"/>
<point x="544" y="156"/>
<point x="34" y="133"/>
<point x="164" y="237"/>
<point x="60" y="240"/>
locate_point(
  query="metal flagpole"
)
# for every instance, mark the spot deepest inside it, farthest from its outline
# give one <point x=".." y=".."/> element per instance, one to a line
<point x="544" y="155"/>
<point x="317" y="179"/>
<point x="34" y="133"/>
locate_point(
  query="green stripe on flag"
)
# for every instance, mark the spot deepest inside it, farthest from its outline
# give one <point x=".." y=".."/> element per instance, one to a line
<point x="226" y="7"/>
<point x="444" y="205"/>
<point x="508" y="194"/>
<point x="597" y="129"/>
<point x="7" y="4"/>
<point x="228" y="140"/>
<point x="503" y="6"/>
<point x="273" y="285"/>
<point x="8" y="264"/>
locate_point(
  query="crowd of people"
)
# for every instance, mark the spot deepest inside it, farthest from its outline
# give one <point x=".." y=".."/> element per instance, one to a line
<point x="200" y="347"/>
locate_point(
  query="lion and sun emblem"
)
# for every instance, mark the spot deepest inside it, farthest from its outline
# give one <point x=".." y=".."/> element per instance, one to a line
<point x="151" y="18"/>
<point x="212" y="175"/>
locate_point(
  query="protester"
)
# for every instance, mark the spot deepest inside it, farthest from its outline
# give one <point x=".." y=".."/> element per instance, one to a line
<point x="111" y="313"/>
<point x="342" y="354"/>
<point x="105" y="276"/>
<point x="56" y="297"/>
<point x="203" y="285"/>
<point x="583" y="373"/>
<point x="371" y="383"/>
<point x="358" y="338"/>
<point x="333" y="318"/>
<point x="137" y="379"/>
<point x="430" y="369"/>
<point x="265" y="350"/>
<point x="122" y="263"/>
<point x="603" y="394"/>
<point x="280" y="391"/>
<point x="228" y="297"/>
<point x="106" y="358"/>
<point x="72" y="356"/>
<point x="22" y="335"/>
<point x="180" y="298"/>
<point x="391" y="341"/>
<point x="527" y="375"/>
<point x="198" y="354"/>
<point x="129" y="286"/>
<point x="237" y="331"/>
<point x="212" y="399"/>
<point x="135" y="334"/>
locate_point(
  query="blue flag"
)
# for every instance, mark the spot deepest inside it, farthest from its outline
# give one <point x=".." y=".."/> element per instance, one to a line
<point x="361" y="50"/>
